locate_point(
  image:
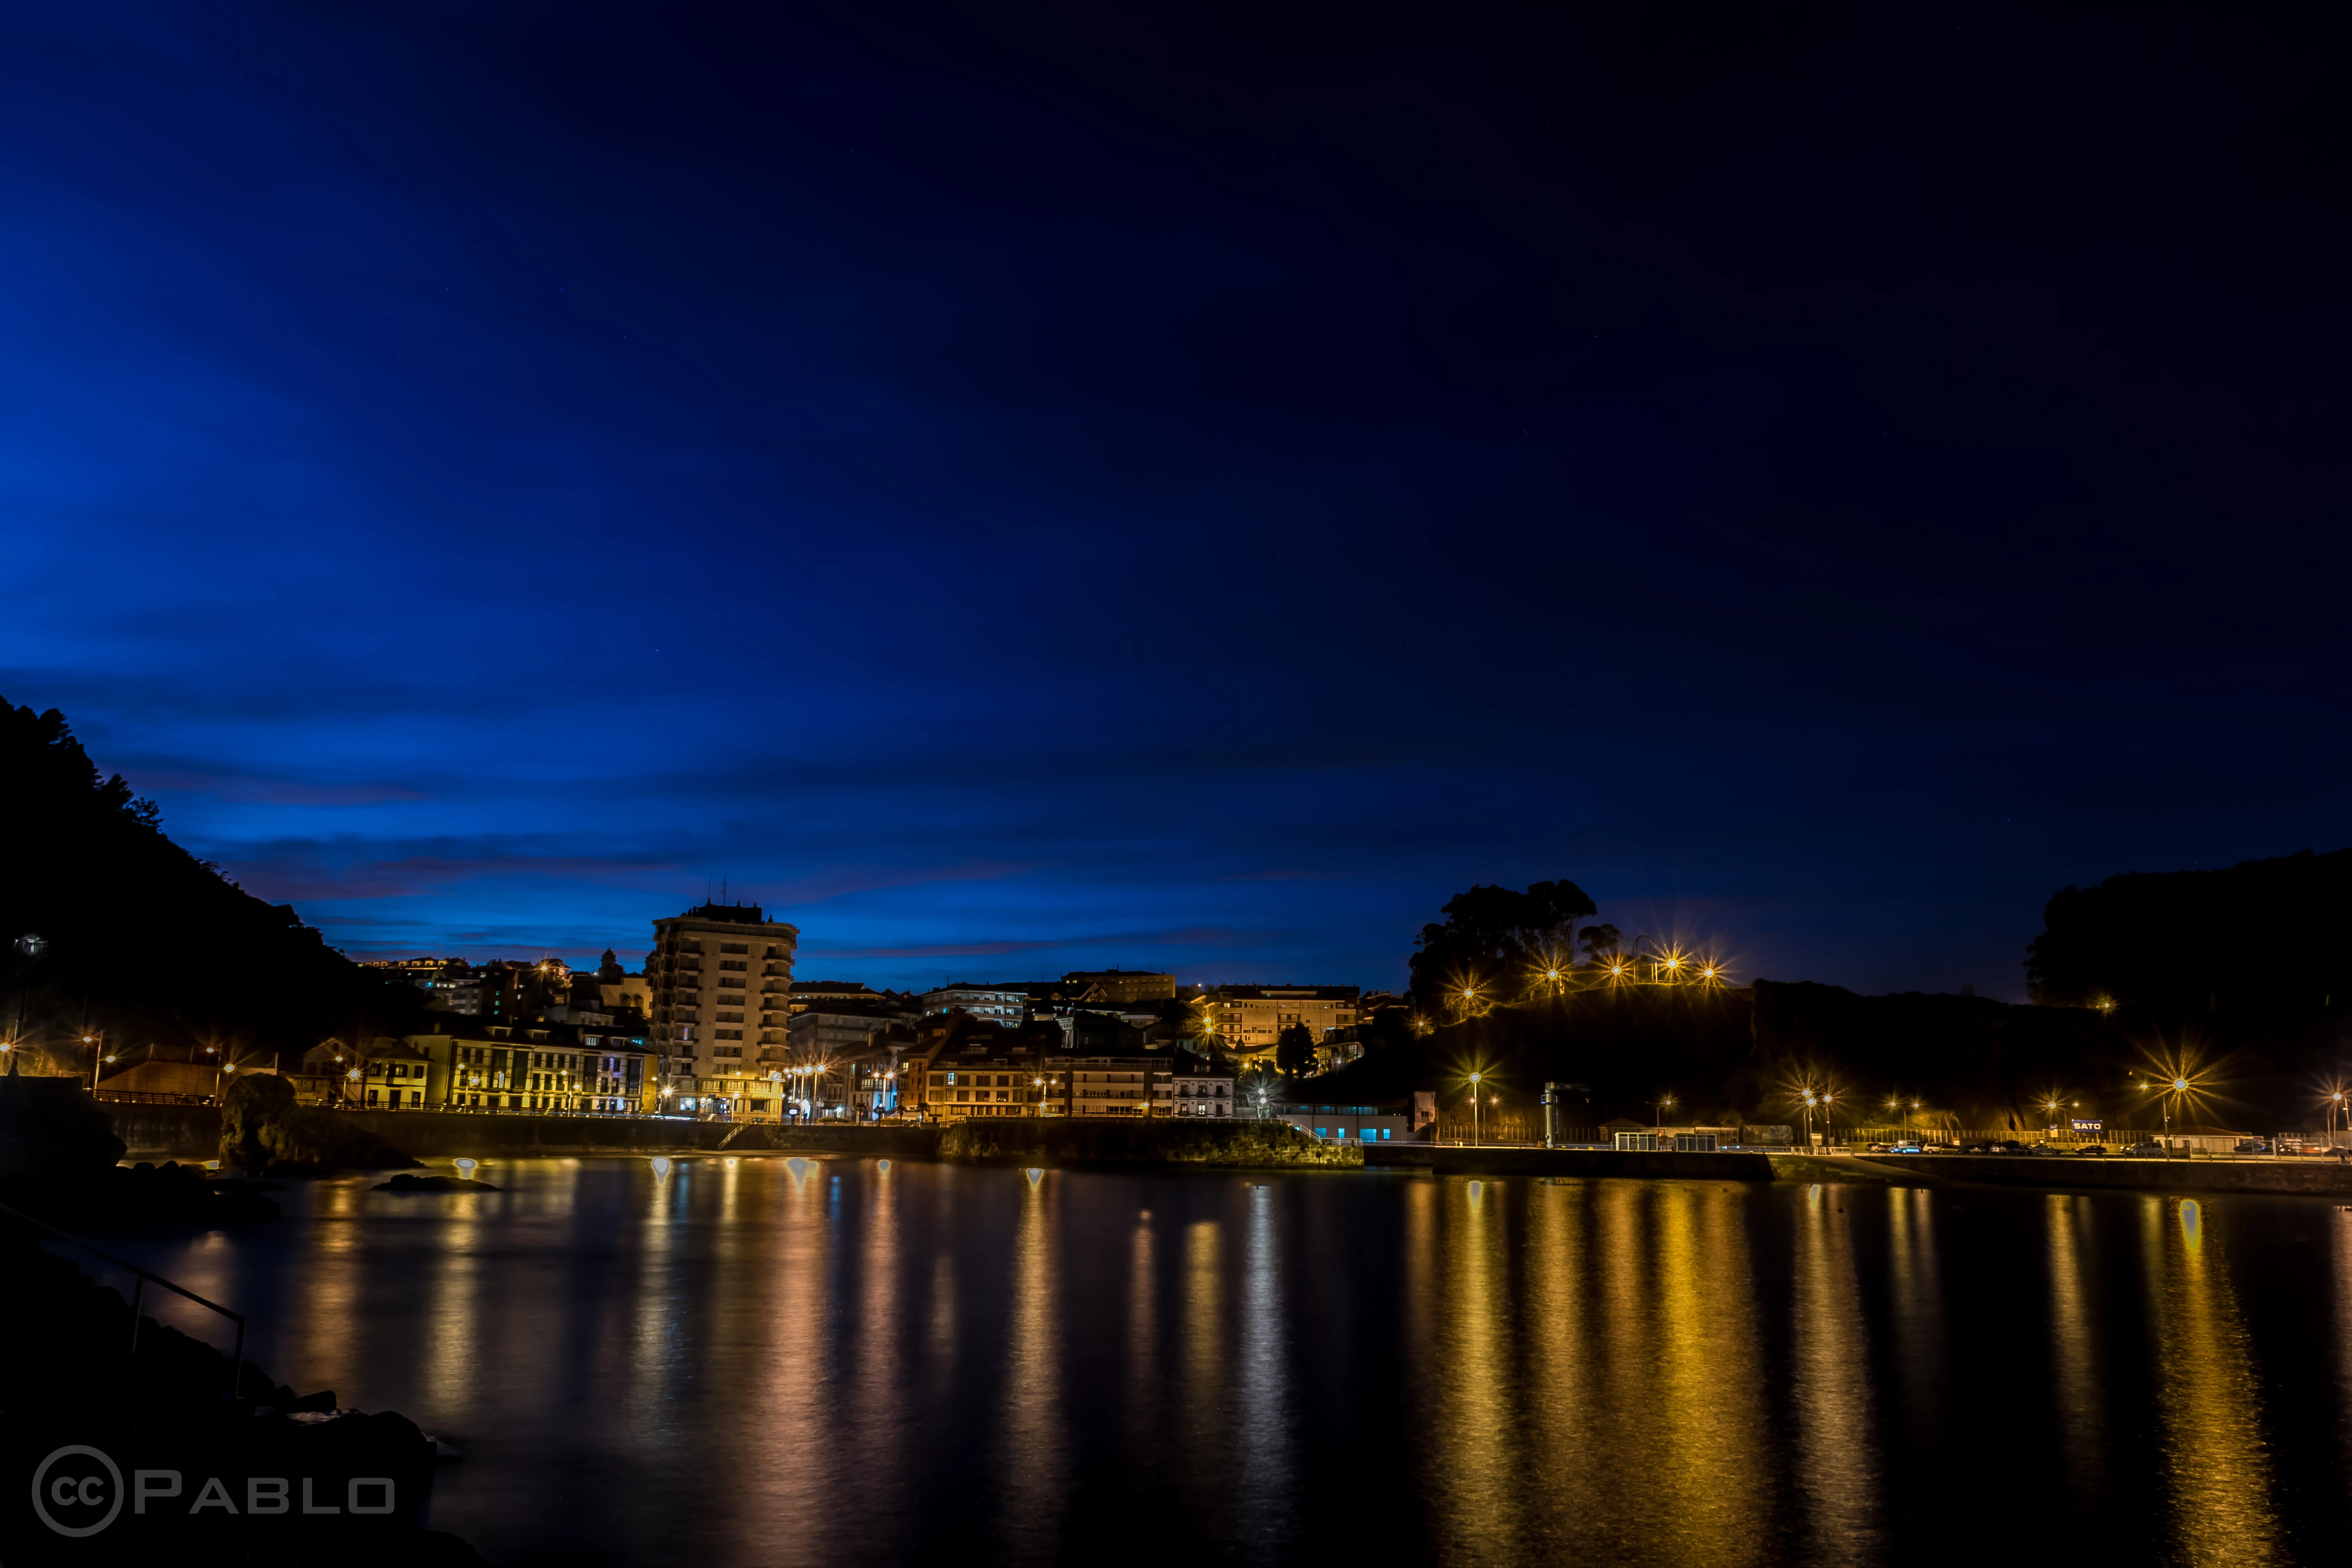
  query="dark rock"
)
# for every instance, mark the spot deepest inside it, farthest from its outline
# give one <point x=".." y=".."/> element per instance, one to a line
<point x="164" y="1410"/>
<point x="263" y="1128"/>
<point x="404" y="1182"/>
<point x="51" y="1127"/>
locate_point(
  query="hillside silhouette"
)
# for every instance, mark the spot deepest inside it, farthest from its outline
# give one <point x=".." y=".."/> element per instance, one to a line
<point x="1730" y="1054"/>
<point x="108" y="922"/>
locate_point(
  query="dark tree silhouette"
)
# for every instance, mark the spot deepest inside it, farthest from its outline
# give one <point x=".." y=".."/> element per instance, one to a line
<point x="2153" y="944"/>
<point x="1490" y="934"/>
<point x="1293" y="1050"/>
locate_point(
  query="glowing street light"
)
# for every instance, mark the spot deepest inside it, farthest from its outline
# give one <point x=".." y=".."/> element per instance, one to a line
<point x="1474" y="1110"/>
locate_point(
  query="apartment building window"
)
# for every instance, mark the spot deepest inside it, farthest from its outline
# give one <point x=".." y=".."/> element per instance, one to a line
<point x="735" y="947"/>
<point x="732" y="964"/>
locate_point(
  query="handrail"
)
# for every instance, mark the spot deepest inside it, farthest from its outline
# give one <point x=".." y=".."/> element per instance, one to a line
<point x="236" y="1374"/>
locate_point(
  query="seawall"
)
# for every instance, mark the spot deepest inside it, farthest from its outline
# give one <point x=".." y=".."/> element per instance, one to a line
<point x="160" y="1133"/>
<point x="2075" y="1172"/>
<point x="1491" y="1160"/>
<point x="444" y="1135"/>
<point x="2111" y="1175"/>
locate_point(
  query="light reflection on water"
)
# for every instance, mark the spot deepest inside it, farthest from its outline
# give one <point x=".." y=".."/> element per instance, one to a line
<point x="768" y="1362"/>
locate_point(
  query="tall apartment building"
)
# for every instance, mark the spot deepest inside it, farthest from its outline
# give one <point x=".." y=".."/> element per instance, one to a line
<point x="720" y="978"/>
<point x="1251" y="1019"/>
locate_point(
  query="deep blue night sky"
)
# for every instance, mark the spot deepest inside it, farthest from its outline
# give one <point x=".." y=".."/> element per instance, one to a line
<point x="1017" y="492"/>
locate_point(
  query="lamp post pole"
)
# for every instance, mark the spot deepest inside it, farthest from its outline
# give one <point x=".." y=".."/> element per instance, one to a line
<point x="1474" y="1111"/>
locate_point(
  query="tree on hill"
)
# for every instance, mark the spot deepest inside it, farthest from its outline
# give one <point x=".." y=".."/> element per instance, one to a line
<point x="1490" y="937"/>
<point x="140" y="942"/>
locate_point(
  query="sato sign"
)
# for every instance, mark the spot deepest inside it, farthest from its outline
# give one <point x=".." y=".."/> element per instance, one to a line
<point x="2083" y="1126"/>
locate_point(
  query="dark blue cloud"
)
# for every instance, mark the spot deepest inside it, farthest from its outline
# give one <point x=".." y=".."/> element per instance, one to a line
<point x="1028" y="489"/>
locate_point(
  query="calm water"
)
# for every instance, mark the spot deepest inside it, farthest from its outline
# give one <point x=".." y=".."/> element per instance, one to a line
<point x="768" y="1362"/>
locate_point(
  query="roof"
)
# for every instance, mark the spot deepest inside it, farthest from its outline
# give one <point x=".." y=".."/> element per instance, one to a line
<point x="728" y="914"/>
<point x="530" y="1034"/>
<point x="877" y="1010"/>
<point x="1301" y="992"/>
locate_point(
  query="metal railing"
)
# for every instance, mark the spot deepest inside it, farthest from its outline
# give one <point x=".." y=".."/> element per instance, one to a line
<point x="237" y="1370"/>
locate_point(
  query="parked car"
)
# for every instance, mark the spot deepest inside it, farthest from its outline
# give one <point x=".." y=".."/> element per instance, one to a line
<point x="2145" y="1150"/>
<point x="2252" y="1146"/>
<point x="1906" y="1149"/>
<point x="2007" y="1146"/>
<point x="2046" y="1149"/>
<point x="2091" y="1149"/>
<point x="1879" y="1149"/>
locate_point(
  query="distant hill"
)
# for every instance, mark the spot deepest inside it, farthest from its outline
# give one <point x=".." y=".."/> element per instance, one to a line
<point x="148" y="941"/>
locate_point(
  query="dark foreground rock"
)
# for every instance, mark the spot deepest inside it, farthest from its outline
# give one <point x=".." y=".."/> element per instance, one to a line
<point x="154" y="1458"/>
<point x="50" y="1126"/>
<point x="120" y="1198"/>
<point x="262" y="1129"/>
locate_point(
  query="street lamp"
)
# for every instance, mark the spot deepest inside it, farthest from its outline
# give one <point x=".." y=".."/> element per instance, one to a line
<point x="1666" y="1103"/>
<point x="1474" y="1110"/>
<point x="1809" y="1120"/>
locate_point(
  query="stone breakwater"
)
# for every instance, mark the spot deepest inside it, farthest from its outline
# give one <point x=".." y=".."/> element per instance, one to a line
<point x="1107" y="1141"/>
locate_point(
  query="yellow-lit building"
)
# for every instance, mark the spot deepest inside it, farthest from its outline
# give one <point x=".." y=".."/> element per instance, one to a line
<point x="1249" y="1019"/>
